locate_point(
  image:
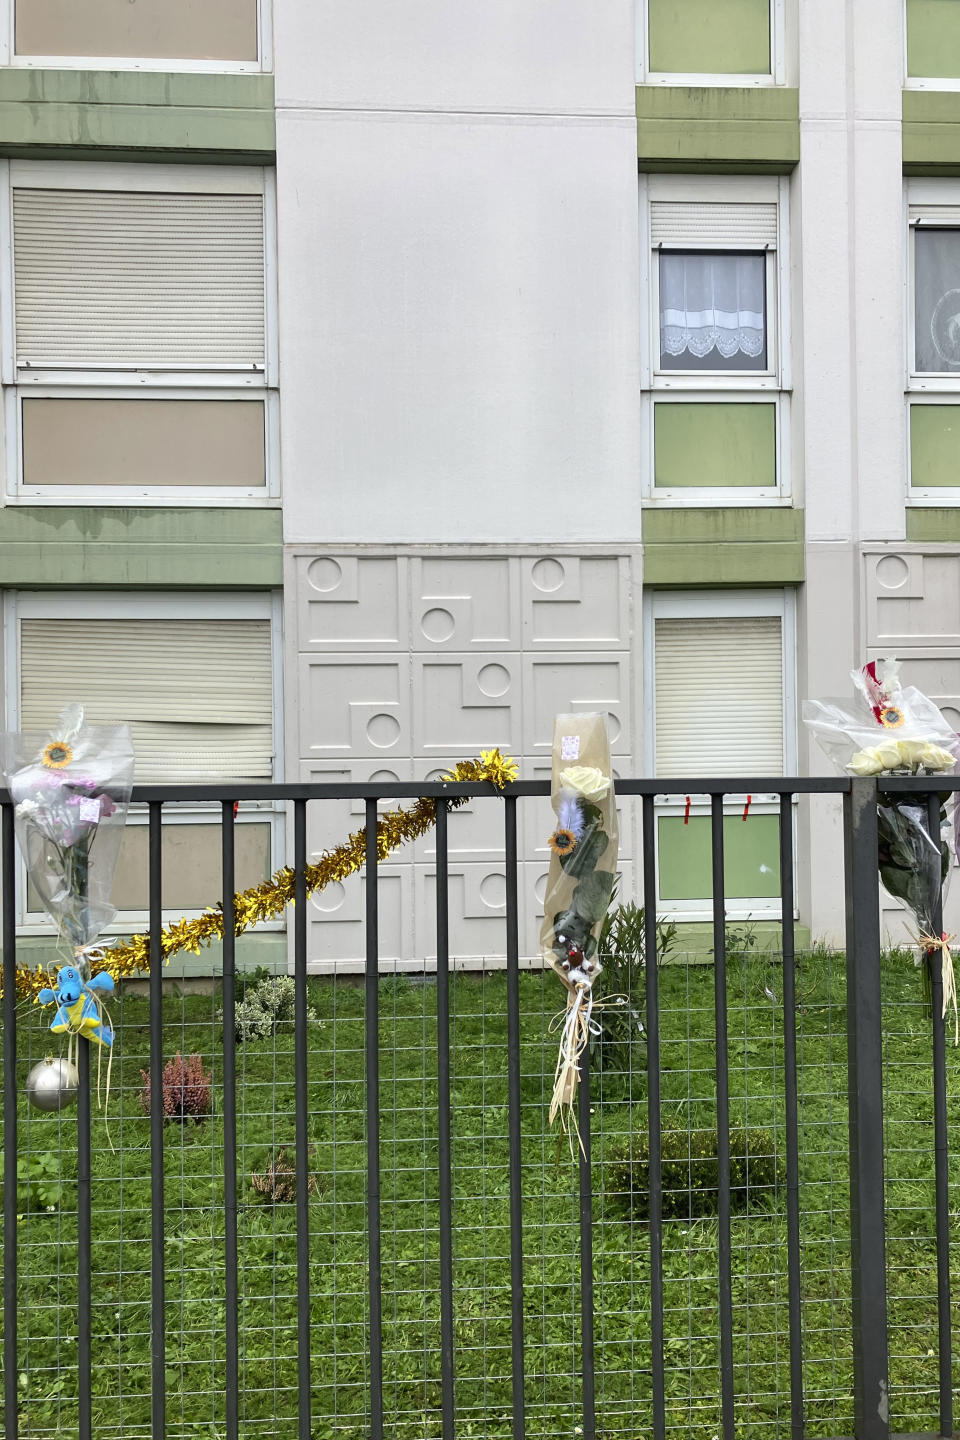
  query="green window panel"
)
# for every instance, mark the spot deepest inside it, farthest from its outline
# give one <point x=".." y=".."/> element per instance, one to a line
<point x="751" y="851"/>
<point x="710" y="37"/>
<point x="714" y="445"/>
<point x="933" y="39"/>
<point x="934" y="446"/>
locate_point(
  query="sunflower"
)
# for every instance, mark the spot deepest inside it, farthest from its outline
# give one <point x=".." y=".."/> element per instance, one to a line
<point x="891" y="717"/>
<point x="56" y="755"/>
<point x="562" y="841"/>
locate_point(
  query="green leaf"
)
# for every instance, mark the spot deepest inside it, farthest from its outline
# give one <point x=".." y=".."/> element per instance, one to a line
<point x="593" y="894"/>
<point x="583" y="859"/>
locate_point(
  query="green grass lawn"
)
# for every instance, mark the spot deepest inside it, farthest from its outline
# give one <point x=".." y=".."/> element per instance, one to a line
<point x="193" y="1163"/>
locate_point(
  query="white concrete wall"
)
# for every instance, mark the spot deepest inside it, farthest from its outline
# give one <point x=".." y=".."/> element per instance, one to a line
<point x="458" y="270"/>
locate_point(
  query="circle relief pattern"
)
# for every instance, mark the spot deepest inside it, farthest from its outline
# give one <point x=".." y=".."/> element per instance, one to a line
<point x="438" y="625"/>
<point x="324" y="574"/>
<point x="493" y="891"/>
<point x="548" y="575"/>
<point x="330" y="898"/>
<point x="383" y="731"/>
<point x="494" y="680"/>
<point x="892" y="572"/>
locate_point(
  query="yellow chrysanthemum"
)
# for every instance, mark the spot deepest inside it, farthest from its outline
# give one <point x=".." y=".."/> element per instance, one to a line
<point x="56" y="755"/>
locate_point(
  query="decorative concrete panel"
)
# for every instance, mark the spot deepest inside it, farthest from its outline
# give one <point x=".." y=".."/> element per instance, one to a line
<point x="575" y="683"/>
<point x="465" y="604"/>
<point x="406" y="664"/>
<point x="337" y="928"/>
<point x="346" y="602"/>
<point x="354" y="705"/>
<point x="912" y="601"/>
<point x="572" y="603"/>
<point x="465" y="703"/>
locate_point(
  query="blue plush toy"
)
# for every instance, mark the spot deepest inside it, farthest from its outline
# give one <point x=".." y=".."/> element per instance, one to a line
<point x="78" y="1011"/>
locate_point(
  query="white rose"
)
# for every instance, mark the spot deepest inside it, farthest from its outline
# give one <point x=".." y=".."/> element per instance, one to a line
<point x="934" y="757"/>
<point x="587" y="781"/>
<point x="866" y="762"/>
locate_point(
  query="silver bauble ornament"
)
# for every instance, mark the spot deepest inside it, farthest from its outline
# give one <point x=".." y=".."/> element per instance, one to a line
<point x="52" y="1084"/>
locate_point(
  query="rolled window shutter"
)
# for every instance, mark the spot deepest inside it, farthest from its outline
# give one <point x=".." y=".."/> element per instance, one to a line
<point x="719" y="696"/>
<point x="736" y="227"/>
<point x="107" y="279"/>
<point x="198" y="694"/>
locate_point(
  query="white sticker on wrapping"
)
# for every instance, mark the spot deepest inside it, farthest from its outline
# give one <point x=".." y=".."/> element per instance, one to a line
<point x="569" y="747"/>
<point x="89" y="811"/>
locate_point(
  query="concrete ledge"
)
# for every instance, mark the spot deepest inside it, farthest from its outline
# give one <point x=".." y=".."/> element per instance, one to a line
<point x="66" y="545"/>
<point x="112" y="114"/>
<point x="733" y="546"/>
<point x="718" y="128"/>
<point x="931" y="132"/>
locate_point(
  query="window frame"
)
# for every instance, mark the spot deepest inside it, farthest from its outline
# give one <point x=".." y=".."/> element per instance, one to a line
<point x="773" y="384"/>
<point x="169" y="64"/>
<point x="775" y="76"/>
<point x="154" y="605"/>
<point x="659" y="604"/>
<point x="922" y="82"/>
<point x="940" y="199"/>
<point x="128" y="381"/>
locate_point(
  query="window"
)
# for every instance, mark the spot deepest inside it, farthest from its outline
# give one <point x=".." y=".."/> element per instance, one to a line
<point x="933" y="343"/>
<point x="720" y="688"/>
<point x="716" y="368"/>
<point x="151" y="34"/>
<point x="143" y="350"/>
<point x="718" y="42"/>
<point x="932" y="44"/>
<point x="196" y="677"/>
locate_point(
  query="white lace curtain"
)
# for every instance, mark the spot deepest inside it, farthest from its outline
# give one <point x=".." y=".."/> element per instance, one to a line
<point x="712" y="305"/>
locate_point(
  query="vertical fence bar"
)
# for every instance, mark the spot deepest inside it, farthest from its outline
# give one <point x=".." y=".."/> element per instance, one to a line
<point x="10" y="1350"/>
<point x="941" y="1156"/>
<point x="158" y="1344"/>
<point x="791" y="1116"/>
<point x="514" y="1114"/>
<point x="586" y="1251"/>
<point x="84" y="1350"/>
<point x="725" y="1294"/>
<point x="865" y="1090"/>
<point x="651" y="958"/>
<point x="230" y="1255"/>
<point x="300" y="1107"/>
<point x="372" y="1043"/>
<point x="443" y="1130"/>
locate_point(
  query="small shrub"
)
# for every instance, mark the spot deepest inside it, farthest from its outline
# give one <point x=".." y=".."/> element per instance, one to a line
<point x="690" y="1172"/>
<point x="276" y="1184"/>
<point x="187" y="1090"/>
<point x="40" y="1185"/>
<point x="621" y="1041"/>
<point x="269" y="1003"/>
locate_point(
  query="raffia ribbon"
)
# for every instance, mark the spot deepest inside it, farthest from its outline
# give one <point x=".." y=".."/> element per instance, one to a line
<point x="949" y="980"/>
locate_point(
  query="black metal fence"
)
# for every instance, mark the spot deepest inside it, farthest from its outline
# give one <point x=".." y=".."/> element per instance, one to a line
<point x="626" y="1310"/>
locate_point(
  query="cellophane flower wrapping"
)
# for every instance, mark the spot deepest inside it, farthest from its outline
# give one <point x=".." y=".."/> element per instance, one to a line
<point x="580" y="882"/>
<point x="71" y="790"/>
<point x="894" y="729"/>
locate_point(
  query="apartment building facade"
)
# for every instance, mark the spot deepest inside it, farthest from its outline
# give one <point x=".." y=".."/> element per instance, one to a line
<point x="379" y="380"/>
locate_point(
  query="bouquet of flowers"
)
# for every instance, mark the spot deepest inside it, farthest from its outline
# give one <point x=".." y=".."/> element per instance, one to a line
<point x="892" y="729"/>
<point x="71" y="788"/>
<point x="580" y="884"/>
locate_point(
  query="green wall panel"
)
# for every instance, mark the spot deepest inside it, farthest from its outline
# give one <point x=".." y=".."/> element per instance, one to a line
<point x="710" y="37"/>
<point x="66" y="545"/>
<point x="933" y="38"/>
<point x="136" y="114"/>
<point x="931" y="132"/>
<point x="751" y="852"/>
<point x="718" y="128"/>
<point x="715" y="445"/>
<point x="935" y="445"/>
<point x="735" y="545"/>
<point x="929" y="523"/>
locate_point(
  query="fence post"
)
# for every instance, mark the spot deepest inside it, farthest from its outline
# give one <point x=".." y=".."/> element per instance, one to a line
<point x="865" y="1088"/>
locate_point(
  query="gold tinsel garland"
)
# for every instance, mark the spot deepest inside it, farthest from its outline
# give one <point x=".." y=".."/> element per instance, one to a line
<point x="268" y="901"/>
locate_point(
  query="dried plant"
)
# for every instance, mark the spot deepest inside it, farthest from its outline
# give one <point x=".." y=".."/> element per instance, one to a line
<point x="187" y="1090"/>
<point x="276" y="1184"/>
